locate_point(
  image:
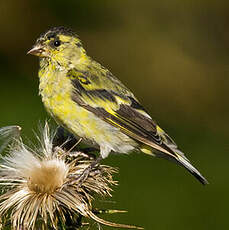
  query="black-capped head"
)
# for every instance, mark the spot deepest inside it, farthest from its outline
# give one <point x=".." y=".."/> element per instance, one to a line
<point x="57" y="41"/>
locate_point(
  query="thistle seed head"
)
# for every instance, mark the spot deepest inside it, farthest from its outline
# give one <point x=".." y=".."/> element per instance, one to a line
<point x="38" y="188"/>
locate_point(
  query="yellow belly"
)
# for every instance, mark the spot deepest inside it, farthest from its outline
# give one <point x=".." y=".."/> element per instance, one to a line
<point x="56" y="96"/>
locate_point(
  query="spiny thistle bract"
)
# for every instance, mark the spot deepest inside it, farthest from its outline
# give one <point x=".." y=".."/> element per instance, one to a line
<point x="7" y="134"/>
<point x="39" y="187"/>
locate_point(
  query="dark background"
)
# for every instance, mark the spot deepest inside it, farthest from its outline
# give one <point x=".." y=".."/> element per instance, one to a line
<point x="174" y="56"/>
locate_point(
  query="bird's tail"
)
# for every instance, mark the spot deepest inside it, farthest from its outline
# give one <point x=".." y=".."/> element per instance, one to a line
<point x="173" y="154"/>
<point x="183" y="161"/>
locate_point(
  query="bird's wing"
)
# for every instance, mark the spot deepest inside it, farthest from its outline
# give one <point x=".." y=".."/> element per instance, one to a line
<point x="110" y="100"/>
<point x="106" y="97"/>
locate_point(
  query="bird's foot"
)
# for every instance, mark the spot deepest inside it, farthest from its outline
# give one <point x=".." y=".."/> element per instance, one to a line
<point x="84" y="175"/>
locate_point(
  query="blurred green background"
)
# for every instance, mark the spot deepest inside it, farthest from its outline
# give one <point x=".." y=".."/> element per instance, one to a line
<point x="174" y="56"/>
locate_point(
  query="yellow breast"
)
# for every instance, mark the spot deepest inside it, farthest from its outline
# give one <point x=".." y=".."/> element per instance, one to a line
<point x="56" y="90"/>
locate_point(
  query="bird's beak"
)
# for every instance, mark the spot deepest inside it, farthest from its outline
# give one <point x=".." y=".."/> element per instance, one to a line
<point x="38" y="50"/>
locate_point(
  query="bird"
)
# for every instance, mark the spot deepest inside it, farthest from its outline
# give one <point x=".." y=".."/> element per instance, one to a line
<point x="91" y="103"/>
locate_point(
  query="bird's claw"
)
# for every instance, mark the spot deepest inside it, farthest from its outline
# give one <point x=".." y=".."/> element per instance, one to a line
<point x="83" y="176"/>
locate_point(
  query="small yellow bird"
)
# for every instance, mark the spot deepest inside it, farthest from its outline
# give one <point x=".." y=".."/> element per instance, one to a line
<point x="90" y="102"/>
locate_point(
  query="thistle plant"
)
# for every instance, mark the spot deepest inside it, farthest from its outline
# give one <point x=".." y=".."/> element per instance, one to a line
<point x="40" y="189"/>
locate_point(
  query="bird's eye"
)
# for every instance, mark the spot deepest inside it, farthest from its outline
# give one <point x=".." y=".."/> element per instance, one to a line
<point x="56" y="43"/>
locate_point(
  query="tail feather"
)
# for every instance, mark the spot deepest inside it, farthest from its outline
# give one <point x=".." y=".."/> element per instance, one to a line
<point x="178" y="157"/>
<point x="186" y="164"/>
<point x="181" y="159"/>
<point x="172" y="153"/>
